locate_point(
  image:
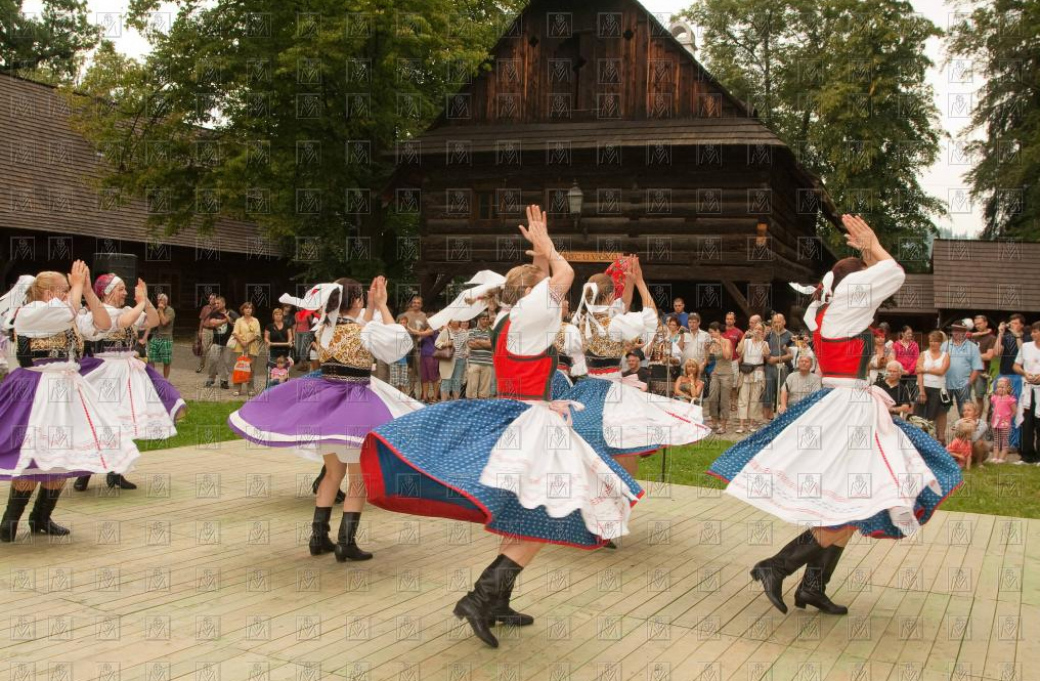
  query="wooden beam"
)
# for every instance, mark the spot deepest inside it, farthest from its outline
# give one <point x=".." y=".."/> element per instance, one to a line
<point x="735" y="293"/>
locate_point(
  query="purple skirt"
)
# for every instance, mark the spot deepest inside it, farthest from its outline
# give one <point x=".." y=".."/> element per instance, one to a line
<point x="311" y="410"/>
<point x="16" y="400"/>
<point x="429" y="369"/>
<point x="168" y="395"/>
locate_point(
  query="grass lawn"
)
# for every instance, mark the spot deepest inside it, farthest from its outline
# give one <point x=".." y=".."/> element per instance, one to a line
<point x="998" y="490"/>
<point x="204" y="424"/>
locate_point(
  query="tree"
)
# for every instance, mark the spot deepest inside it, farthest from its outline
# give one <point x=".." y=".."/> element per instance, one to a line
<point x="286" y="114"/>
<point x="843" y="85"/>
<point x="1001" y="39"/>
<point x="49" y="46"/>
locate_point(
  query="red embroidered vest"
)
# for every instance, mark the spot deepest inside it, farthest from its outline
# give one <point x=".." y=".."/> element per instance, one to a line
<point x="519" y="377"/>
<point x="842" y="357"/>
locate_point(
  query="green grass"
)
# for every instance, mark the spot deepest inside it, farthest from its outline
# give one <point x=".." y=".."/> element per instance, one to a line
<point x="998" y="490"/>
<point x="205" y="424"/>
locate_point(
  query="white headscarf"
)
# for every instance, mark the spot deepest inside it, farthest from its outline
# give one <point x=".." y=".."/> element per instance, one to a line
<point x="470" y="303"/>
<point x="586" y="322"/>
<point x="14" y="299"/>
<point x="317" y="298"/>
<point x="826" y="291"/>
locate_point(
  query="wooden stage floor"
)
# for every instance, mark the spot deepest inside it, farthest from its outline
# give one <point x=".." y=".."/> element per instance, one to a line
<point x="203" y="574"/>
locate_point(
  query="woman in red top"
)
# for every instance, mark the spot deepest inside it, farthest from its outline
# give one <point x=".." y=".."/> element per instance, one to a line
<point x="906" y="351"/>
<point x="304" y="339"/>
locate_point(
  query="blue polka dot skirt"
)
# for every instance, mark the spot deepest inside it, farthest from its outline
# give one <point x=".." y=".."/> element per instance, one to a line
<point x="935" y="456"/>
<point x="592" y="393"/>
<point x="429" y="463"/>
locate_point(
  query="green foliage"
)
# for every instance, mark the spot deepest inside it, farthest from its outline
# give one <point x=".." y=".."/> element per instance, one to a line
<point x="843" y="84"/>
<point x="47" y="46"/>
<point x="286" y="114"/>
<point x="1001" y="37"/>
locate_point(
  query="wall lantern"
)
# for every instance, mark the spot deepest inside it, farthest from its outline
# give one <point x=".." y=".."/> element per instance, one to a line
<point x="762" y="230"/>
<point x="574" y="201"/>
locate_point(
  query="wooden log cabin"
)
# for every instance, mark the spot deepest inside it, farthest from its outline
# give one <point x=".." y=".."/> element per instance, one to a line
<point x="600" y="99"/>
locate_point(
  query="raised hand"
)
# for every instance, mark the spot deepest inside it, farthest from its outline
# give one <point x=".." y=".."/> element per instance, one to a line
<point x="537" y="232"/>
<point x="377" y="295"/>
<point x="858" y="234"/>
<point x="80" y="274"/>
<point x="140" y="291"/>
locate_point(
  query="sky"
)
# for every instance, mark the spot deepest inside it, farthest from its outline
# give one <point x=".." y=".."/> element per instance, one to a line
<point x="955" y="87"/>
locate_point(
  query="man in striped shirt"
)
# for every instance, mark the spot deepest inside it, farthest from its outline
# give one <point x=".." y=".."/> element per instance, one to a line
<point x="480" y="375"/>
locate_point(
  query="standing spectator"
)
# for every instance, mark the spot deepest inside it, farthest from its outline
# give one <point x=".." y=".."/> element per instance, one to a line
<point x="278" y="337"/>
<point x="689" y="385"/>
<point x="205" y="332"/>
<point x="429" y="369"/>
<point x="984" y="337"/>
<point x="696" y="345"/>
<point x="418" y="328"/>
<point x="665" y="356"/>
<point x="679" y="312"/>
<point x="633" y="368"/>
<point x="892" y="383"/>
<point x="399" y="377"/>
<point x="753" y="350"/>
<point x="480" y="374"/>
<point x="1027" y="365"/>
<point x="932" y="396"/>
<point x="733" y="333"/>
<point x="219" y="324"/>
<point x="802" y="348"/>
<point x="778" y="363"/>
<point x="879" y="358"/>
<point x="965" y="365"/>
<point x="304" y="338"/>
<point x="721" y="389"/>
<point x="1002" y="414"/>
<point x="245" y="340"/>
<point x="1010" y="337"/>
<point x="799" y="385"/>
<point x="906" y="351"/>
<point x="160" y="346"/>
<point x="452" y="370"/>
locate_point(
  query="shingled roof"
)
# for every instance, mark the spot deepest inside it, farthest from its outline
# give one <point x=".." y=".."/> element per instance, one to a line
<point x="46" y="168"/>
<point x="986" y="275"/>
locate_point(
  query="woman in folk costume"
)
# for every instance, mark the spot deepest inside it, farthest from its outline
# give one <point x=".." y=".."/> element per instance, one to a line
<point x="147" y="404"/>
<point x="570" y="354"/>
<point x="512" y="463"/>
<point x="836" y="460"/>
<point x="618" y="411"/>
<point x="53" y="424"/>
<point x="325" y="417"/>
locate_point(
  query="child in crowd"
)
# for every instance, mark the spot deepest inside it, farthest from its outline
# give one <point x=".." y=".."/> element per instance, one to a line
<point x="974" y="431"/>
<point x="1002" y="410"/>
<point x="280" y="371"/>
<point x="960" y="446"/>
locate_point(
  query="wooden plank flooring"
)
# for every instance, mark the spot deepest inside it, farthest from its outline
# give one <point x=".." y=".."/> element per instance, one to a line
<point x="203" y="574"/>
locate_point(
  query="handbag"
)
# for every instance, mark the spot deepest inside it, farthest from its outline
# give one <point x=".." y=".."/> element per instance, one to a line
<point x="944" y="396"/>
<point x="747" y="368"/>
<point x="196" y="346"/>
<point x="447" y="352"/>
<point x="243" y="369"/>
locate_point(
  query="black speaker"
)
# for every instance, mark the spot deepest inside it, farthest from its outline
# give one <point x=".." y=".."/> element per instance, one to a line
<point x="123" y="265"/>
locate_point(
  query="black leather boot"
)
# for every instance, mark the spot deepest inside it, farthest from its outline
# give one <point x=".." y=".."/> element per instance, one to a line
<point x="772" y="571"/>
<point x="115" y="479"/>
<point x="818" y="572"/>
<point x="478" y="605"/>
<point x="500" y="609"/>
<point x="320" y="542"/>
<point x="346" y="547"/>
<point x="81" y="483"/>
<point x="40" y="518"/>
<point x="340" y="495"/>
<point x="16" y="504"/>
